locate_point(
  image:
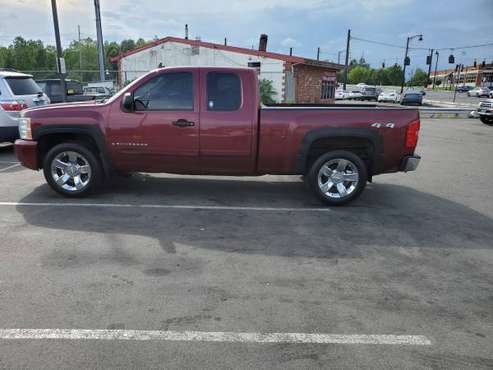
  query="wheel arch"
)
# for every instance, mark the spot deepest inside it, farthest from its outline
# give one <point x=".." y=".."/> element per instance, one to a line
<point x="51" y="135"/>
<point x="319" y="141"/>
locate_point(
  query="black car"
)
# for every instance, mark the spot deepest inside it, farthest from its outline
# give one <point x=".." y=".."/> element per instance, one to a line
<point x="412" y="98"/>
<point x="463" y="88"/>
<point x="53" y="88"/>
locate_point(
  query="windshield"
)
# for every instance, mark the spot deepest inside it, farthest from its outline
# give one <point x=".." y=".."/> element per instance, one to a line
<point x="23" y="85"/>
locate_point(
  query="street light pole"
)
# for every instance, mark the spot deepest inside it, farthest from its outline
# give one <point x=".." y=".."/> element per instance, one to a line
<point x="405" y="59"/>
<point x="404" y="68"/>
<point x="60" y="60"/>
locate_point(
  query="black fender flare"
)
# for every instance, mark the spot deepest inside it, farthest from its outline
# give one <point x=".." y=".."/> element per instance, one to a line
<point x="371" y="135"/>
<point x="91" y="130"/>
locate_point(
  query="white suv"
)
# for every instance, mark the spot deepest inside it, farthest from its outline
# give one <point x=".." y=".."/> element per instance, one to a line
<point x="18" y="91"/>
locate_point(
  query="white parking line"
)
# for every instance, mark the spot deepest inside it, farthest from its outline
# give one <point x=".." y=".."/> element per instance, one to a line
<point x="9" y="162"/>
<point x="9" y="167"/>
<point x="164" y="206"/>
<point x="203" y="336"/>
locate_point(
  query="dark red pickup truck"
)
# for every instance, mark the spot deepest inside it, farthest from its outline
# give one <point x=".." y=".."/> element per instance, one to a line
<point x="209" y="121"/>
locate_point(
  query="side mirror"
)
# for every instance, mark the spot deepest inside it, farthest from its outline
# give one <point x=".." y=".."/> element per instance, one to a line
<point x="128" y="104"/>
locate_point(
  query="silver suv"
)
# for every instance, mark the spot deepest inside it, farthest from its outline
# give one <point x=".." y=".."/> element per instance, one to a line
<point x="18" y="91"/>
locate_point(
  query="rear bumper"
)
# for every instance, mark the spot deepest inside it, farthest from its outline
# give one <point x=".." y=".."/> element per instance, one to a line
<point x="27" y="153"/>
<point x="410" y="163"/>
<point x="10" y="133"/>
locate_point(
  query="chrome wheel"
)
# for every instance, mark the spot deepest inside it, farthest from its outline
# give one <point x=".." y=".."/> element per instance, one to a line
<point x="338" y="178"/>
<point x="71" y="171"/>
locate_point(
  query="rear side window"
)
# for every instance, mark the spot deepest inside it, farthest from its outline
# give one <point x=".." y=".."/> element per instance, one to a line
<point x="23" y="85"/>
<point x="168" y="91"/>
<point x="223" y="91"/>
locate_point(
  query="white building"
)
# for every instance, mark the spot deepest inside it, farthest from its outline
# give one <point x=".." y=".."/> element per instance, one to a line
<point x="292" y="77"/>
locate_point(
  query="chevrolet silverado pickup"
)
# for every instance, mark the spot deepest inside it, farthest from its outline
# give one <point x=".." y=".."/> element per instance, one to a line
<point x="209" y="121"/>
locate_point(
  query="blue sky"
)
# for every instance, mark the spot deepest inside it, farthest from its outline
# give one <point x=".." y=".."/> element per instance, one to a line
<point x="301" y="24"/>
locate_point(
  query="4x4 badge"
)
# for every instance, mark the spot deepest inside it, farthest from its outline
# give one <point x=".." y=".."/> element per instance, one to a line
<point x="379" y="125"/>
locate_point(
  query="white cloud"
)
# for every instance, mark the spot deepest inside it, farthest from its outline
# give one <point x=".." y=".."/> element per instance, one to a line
<point x="290" y="43"/>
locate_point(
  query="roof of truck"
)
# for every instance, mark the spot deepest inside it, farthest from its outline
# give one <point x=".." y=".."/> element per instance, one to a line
<point x="235" y="49"/>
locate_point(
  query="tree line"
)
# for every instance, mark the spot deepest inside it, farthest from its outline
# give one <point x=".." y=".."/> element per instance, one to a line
<point x="81" y="59"/>
<point x="359" y="71"/>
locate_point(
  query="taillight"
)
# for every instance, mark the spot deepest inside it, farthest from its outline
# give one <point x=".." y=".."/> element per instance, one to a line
<point x="13" y="106"/>
<point x="412" y="134"/>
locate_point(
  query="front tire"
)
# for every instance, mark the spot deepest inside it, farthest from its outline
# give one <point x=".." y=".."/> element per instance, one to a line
<point x="337" y="177"/>
<point x="486" y="120"/>
<point x="72" y="170"/>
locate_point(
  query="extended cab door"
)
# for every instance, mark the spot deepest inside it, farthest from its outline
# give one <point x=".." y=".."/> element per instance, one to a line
<point x="165" y="123"/>
<point x="228" y="121"/>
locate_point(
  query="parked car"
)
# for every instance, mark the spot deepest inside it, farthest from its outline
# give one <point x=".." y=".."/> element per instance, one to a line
<point x="53" y="88"/>
<point x="389" y="96"/>
<point x="18" y="91"/>
<point x="341" y="94"/>
<point x="412" y="98"/>
<point x="97" y="93"/>
<point x="485" y="111"/>
<point x="154" y="125"/>
<point x="479" y="92"/>
<point x="369" y="93"/>
<point x="463" y="88"/>
<point x="354" y="94"/>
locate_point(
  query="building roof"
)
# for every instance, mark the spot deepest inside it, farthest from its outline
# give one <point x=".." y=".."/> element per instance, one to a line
<point x="234" y="49"/>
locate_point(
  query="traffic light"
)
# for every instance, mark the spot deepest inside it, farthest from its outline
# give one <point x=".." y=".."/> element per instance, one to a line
<point x="451" y="59"/>
<point x="383" y="65"/>
<point x="407" y="61"/>
<point x="475" y="64"/>
<point x="428" y="60"/>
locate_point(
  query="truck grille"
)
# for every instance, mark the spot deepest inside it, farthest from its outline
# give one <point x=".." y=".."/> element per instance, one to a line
<point x="485" y="105"/>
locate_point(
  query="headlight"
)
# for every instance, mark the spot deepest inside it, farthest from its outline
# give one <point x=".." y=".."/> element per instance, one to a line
<point x="25" y="129"/>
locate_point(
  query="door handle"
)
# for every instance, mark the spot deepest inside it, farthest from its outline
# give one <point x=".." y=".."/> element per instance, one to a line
<point x="183" y="123"/>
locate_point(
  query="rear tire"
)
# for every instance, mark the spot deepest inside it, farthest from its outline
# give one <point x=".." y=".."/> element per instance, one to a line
<point x="72" y="170"/>
<point x="486" y="120"/>
<point x="337" y="177"/>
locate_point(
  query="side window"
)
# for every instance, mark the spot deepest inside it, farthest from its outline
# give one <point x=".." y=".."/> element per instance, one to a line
<point x="168" y="91"/>
<point x="223" y="91"/>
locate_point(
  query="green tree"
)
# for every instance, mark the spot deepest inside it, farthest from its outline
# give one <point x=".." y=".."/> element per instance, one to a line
<point x="267" y="92"/>
<point x="420" y="78"/>
<point x="359" y="74"/>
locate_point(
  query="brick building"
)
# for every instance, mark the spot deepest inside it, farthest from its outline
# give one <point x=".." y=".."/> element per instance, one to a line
<point x="479" y="75"/>
<point x="295" y="79"/>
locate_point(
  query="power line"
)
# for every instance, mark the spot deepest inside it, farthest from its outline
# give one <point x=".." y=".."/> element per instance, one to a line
<point x="467" y="47"/>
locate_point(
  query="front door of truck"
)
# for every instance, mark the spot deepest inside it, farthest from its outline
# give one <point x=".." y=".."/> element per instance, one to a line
<point x="167" y="122"/>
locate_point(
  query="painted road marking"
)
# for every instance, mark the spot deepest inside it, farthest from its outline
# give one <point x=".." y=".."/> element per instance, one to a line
<point x="203" y="336"/>
<point x="9" y="167"/>
<point x="163" y="206"/>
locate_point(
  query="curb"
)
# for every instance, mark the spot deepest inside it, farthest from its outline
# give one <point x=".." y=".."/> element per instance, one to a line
<point x="445" y="113"/>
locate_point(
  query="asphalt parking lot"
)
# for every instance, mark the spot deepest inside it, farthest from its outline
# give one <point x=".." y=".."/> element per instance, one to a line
<point x="218" y="256"/>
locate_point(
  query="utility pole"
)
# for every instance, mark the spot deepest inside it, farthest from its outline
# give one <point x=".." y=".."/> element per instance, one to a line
<point x="346" y="65"/>
<point x="99" y="34"/>
<point x="80" y="54"/>
<point x="339" y="56"/>
<point x="436" y="67"/>
<point x="406" y="59"/>
<point x="429" y="66"/>
<point x="318" y="53"/>
<point x="59" y="52"/>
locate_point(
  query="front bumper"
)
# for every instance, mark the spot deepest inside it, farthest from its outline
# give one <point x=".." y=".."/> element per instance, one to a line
<point x="484" y="112"/>
<point x="27" y="153"/>
<point x="410" y="163"/>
